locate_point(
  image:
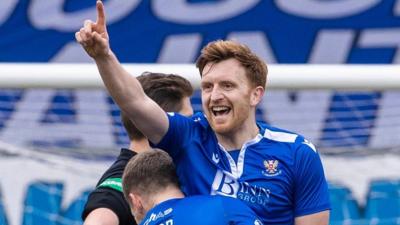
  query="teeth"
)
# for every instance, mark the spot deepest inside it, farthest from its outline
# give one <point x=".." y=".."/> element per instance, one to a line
<point x="220" y="108"/>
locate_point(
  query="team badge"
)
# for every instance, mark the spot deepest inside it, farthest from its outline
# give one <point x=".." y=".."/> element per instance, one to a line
<point x="271" y="168"/>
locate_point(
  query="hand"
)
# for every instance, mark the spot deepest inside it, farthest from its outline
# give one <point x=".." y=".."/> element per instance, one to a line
<point x="93" y="36"/>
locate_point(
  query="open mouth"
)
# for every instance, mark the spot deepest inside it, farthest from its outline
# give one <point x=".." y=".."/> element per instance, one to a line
<point x="220" y="110"/>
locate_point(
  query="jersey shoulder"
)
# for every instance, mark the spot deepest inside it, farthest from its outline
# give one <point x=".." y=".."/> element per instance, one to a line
<point x="278" y="135"/>
<point x="200" y="119"/>
<point x="161" y="214"/>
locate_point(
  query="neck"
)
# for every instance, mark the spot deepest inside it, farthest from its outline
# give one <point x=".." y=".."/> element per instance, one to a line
<point x="235" y="139"/>
<point x="170" y="192"/>
<point x="140" y="145"/>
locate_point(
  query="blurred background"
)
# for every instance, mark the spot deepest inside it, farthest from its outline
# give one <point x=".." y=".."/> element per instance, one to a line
<point x="56" y="142"/>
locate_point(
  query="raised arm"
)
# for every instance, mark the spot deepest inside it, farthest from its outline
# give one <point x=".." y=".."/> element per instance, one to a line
<point x="124" y="88"/>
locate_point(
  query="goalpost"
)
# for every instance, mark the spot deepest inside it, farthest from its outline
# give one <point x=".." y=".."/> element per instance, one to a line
<point x="280" y="76"/>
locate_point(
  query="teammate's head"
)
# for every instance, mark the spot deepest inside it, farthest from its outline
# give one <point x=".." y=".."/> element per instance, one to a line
<point x="147" y="174"/>
<point x="171" y="92"/>
<point x="232" y="84"/>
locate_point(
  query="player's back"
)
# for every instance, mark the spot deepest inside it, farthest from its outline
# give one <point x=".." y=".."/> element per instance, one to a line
<point x="201" y="210"/>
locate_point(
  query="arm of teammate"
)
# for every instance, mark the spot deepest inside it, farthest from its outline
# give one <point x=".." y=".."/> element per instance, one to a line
<point x="321" y="218"/>
<point x="124" y="88"/>
<point x="101" y="216"/>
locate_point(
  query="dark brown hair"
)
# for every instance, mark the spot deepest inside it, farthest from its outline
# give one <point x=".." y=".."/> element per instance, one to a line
<point x="148" y="173"/>
<point x="217" y="51"/>
<point x="167" y="90"/>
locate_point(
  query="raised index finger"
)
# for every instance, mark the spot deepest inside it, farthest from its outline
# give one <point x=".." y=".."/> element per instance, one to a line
<point x="101" y="17"/>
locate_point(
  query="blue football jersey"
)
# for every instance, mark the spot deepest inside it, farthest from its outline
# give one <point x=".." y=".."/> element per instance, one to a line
<point x="201" y="210"/>
<point x="278" y="174"/>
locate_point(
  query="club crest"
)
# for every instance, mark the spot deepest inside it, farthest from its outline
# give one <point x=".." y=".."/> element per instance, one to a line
<point x="271" y="168"/>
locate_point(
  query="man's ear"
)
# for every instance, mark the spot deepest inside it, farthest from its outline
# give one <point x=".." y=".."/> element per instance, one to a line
<point x="136" y="201"/>
<point x="256" y="95"/>
<point x="131" y="198"/>
<point x="137" y="208"/>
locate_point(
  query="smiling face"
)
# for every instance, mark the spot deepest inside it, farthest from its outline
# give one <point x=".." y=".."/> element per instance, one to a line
<point x="228" y="99"/>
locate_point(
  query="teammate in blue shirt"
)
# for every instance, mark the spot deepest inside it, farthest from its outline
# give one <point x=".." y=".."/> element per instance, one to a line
<point x="225" y="151"/>
<point x="151" y="186"/>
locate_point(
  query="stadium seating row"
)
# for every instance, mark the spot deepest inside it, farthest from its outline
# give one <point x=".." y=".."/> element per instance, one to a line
<point x="382" y="207"/>
<point x="43" y="206"/>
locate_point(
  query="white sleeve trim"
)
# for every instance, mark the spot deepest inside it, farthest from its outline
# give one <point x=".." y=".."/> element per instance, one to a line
<point x="280" y="136"/>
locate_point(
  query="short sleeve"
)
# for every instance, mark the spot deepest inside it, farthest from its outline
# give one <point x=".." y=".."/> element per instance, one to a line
<point x="311" y="189"/>
<point x="177" y="136"/>
<point x="110" y="199"/>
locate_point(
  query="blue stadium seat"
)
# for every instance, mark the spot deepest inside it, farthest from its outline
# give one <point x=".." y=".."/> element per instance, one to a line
<point x="391" y="187"/>
<point x="383" y="202"/>
<point x="345" y="209"/>
<point x="72" y="216"/>
<point x="338" y="190"/>
<point x="42" y="203"/>
<point x="3" y="217"/>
